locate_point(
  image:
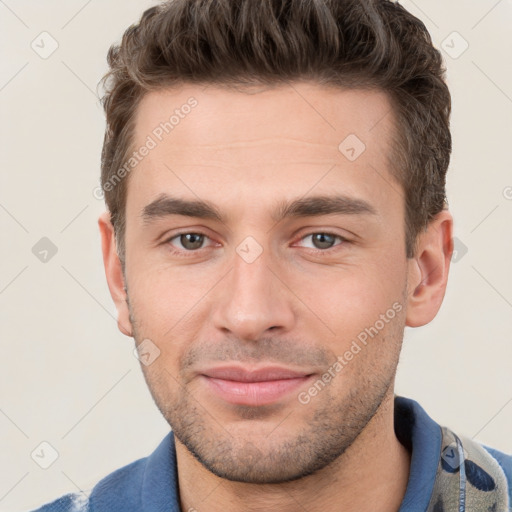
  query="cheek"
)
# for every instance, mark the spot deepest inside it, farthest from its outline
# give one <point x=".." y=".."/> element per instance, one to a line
<point x="350" y="298"/>
<point x="168" y="308"/>
<point x="163" y="293"/>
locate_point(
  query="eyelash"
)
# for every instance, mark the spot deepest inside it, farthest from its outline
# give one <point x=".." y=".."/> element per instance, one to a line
<point x="184" y="253"/>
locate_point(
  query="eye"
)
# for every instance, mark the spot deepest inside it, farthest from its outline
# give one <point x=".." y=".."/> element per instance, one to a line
<point x="322" y="241"/>
<point x="189" y="241"/>
<point x="192" y="242"/>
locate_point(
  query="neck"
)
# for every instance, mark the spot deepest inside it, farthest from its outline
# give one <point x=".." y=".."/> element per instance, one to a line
<point x="359" y="480"/>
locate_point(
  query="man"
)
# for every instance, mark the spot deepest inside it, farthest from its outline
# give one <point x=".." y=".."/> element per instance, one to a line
<point x="274" y="174"/>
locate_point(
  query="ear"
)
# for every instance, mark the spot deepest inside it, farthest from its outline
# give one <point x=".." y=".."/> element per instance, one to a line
<point x="114" y="273"/>
<point x="428" y="270"/>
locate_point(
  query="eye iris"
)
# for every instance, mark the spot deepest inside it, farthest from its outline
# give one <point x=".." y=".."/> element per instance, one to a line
<point x="323" y="240"/>
<point x="191" y="240"/>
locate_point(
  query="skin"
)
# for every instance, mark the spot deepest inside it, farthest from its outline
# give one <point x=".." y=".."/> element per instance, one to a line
<point x="299" y="304"/>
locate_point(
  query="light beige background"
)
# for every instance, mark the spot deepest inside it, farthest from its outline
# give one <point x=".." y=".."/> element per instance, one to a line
<point x="68" y="377"/>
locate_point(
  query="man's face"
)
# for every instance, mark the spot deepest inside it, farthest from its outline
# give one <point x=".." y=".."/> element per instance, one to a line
<point x="317" y="297"/>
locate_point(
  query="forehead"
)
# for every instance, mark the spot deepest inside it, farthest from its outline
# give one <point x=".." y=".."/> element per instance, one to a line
<point x="265" y="139"/>
<point x="220" y="115"/>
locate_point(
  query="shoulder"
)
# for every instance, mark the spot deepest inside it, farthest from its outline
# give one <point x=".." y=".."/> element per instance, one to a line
<point x="445" y="465"/>
<point x="504" y="460"/>
<point x="488" y="473"/>
<point x="124" y="483"/>
<point x="148" y="482"/>
<point x="69" y="503"/>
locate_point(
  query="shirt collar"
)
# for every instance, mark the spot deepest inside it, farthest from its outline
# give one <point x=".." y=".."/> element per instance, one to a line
<point x="160" y="482"/>
<point x="421" y="435"/>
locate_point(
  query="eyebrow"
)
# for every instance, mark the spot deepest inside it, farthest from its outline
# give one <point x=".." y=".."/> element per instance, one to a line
<point x="166" y="205"/>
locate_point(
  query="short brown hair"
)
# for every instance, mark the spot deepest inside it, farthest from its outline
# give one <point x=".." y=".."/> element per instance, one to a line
<point x="370" y="44"/>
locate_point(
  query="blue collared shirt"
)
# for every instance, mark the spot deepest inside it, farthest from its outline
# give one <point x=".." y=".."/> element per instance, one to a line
<point x="151" y="484"/>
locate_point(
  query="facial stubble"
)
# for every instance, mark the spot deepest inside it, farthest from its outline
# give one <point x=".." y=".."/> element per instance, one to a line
<point x="302" y="441"/>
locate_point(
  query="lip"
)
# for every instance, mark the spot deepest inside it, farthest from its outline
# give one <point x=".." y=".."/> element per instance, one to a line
<point x="262" y="386"/>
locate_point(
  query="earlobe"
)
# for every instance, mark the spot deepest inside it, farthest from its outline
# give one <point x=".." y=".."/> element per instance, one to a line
<point x="428" y="270"/>
<point x="114" y="273"/>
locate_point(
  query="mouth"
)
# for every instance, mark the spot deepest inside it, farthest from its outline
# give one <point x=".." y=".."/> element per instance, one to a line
<point x="253" y="387"/>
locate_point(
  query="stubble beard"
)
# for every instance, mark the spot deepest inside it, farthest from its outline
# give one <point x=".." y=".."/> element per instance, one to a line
<point x="321" y="439"/>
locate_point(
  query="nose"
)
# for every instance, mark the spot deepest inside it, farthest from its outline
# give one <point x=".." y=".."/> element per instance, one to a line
<point x="253" y="300"/>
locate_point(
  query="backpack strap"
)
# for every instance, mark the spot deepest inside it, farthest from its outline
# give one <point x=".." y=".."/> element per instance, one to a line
<point x="468" y="479"/>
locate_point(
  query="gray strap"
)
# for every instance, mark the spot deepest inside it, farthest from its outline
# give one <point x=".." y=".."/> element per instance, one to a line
<point x="468" y="478"/>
